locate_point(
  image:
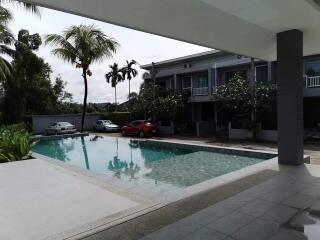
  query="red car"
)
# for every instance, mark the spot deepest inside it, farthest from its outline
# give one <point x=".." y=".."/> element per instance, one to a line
<point x="139" y="127"/>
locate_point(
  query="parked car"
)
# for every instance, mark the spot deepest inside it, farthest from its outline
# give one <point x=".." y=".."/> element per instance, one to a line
<point x="141" y="128"/>
<point x="61" y="128"/>
<point x="105" y="126"/>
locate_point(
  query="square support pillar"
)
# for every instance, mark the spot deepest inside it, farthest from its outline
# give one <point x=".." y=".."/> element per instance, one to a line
<point x="209" y="82"/>
<point x="290" y="97"/>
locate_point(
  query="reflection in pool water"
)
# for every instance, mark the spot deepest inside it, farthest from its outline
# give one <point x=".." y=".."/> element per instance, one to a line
<point x="142" y="163"/>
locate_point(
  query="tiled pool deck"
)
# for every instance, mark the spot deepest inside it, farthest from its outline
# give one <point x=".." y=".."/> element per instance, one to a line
<point x="261" y="212"/>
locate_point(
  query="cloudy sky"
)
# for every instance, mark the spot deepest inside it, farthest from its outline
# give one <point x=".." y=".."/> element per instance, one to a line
<point x="144" y="48"/>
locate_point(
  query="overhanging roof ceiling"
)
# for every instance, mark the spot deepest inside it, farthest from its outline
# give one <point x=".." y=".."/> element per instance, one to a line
<point x="246" y="27"/>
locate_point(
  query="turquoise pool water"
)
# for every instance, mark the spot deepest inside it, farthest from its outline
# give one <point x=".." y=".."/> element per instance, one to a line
<point x="144" y="163"/>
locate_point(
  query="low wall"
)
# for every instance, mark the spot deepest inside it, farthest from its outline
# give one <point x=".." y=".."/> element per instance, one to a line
<point x="241" y="134"/>
<point x="164" y="129"/>
<point x="264" y="135"/>
<point x="41" y="122"/>
<point x="205" y="128"/>
<point x="268" y="135"/>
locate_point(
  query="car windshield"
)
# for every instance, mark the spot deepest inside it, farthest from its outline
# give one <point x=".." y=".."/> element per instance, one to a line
<point x="107" y="121"/>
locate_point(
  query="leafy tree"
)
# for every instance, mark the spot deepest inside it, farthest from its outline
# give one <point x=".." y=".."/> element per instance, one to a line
<point x="244" y="101"/>
<point x="82" y="45"/>
<point x="114" y="76"/>
<point x="27" y="66"/>
<point x="130" y="72"/>
<point x="162" y="106"/>
<point x="59" y="91"/>
<point x="31" y="82"/>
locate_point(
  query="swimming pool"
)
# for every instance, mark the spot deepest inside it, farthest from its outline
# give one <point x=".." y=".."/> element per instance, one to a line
<point x="162" y="166"/>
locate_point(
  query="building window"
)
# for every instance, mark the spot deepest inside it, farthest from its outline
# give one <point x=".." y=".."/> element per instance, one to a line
<point x="312" y="68"/>
<point x="229" y="75"/>
<point x="262" y="73"/>
<point x="200" y="81"/>
<point x="186" y="82"/>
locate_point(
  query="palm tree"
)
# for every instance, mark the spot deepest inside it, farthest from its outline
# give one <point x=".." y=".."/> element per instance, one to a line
<point x="130" y="72"/>
<point x="6" y="37"/>
<point x="115" y="75"/>
<point x="82" y="45"/>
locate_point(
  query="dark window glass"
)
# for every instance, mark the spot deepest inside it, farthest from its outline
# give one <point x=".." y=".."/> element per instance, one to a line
<point x="312" y="68"/>
<point x="186" y="82"/>
<point x="262" y="73"/>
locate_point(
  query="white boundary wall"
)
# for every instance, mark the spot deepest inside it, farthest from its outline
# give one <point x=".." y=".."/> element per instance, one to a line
<point x="242" y="134"/>
<point x="169" y="130"/>
<point x="41" y="122"/>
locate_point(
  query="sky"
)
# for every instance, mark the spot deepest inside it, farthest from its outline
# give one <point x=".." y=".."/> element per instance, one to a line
<point x="142" y="47"/>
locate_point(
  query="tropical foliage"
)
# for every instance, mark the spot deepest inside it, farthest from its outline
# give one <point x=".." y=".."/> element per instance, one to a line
<point x="246" y="101"/>
<point x="129" y="72"/>
<point x="15" y="144"/>
<point x="114" y="76"/>
<point x="30" y="81"/>
<point x="82" y="45"/>
<point x="158" y="103"/>
<point x="6" y="37"/>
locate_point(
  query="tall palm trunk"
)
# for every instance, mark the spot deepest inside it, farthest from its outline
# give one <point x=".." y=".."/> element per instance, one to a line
<point x="84" y="110"/>
<point x="115" y="98"/>
<point x="129" y="87"/>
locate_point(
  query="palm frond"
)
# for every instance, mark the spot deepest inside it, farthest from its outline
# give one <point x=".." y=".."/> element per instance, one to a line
<point x="4" y="49"/>
<point x="5" y="15"/>
<point x="64" y="54"/>
<point x="28" y="6"/>
<point x="6" y="36"/>
<point x="65" y="49"/>
<point x="5" y="69"/>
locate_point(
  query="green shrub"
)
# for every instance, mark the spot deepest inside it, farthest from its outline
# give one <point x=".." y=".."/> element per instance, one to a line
<point x="16" y="127"/>
<point x="119" y="118"/>
<point x="15" y="144"/>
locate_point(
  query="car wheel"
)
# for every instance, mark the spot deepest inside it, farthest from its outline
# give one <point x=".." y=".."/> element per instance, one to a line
<point x="123" y="133"/>
<point x="141" y="134"/>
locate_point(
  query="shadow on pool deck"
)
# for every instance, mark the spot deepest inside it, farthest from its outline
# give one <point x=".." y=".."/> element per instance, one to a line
<point x="152" y="221"/>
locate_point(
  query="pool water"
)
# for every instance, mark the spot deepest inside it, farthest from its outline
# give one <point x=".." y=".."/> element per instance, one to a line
<point x="142" y="162"/>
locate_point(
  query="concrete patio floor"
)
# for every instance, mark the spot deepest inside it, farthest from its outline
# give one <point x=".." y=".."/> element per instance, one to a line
<point x="39" y="200"/>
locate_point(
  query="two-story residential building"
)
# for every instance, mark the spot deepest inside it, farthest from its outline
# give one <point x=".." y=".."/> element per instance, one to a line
<point x="202" y="73"/>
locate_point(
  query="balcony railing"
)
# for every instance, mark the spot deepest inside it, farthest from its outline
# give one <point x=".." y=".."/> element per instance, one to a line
<point x="312" y="82"/>
<point x="200" y="91"/>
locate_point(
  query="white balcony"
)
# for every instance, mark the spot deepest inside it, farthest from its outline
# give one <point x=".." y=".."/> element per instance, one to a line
<point x="200" y="91"/>
<point x="312" y="82"/>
